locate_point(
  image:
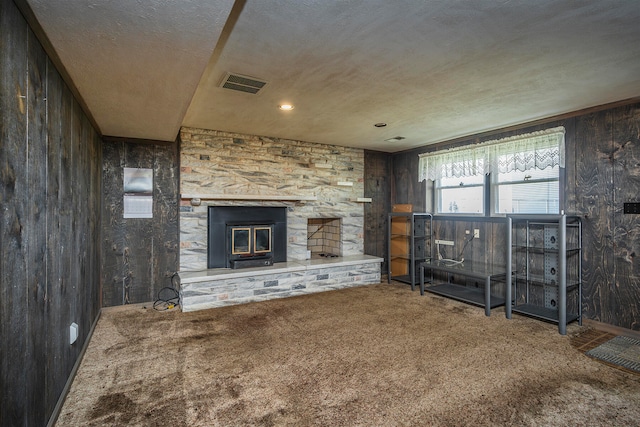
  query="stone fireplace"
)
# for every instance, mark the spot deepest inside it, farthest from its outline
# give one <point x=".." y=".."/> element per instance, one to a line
<point x="317" y="188"/>
<point x="310" y="182"/>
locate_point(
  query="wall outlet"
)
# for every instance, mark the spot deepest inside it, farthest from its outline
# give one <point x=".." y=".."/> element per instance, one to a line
<point x="73" y="333"/>
<point x="476" y="233"/>
<point x="444" y="242"/>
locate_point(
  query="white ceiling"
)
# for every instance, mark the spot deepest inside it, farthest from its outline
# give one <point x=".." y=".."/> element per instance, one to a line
<point x="432" y="70"/>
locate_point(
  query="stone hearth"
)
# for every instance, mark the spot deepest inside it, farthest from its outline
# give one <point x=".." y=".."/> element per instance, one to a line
<point x="220" y="287"/>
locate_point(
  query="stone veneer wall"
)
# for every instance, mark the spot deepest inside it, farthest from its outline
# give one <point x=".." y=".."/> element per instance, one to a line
<point x="222" y="163"/>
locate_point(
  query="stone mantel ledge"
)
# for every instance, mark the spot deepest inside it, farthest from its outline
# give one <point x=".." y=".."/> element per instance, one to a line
<point x="282" y="197"/>
<point x="277" y="268"/>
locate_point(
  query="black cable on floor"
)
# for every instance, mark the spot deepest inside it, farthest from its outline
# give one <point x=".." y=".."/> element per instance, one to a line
<point x="168" y="297"/>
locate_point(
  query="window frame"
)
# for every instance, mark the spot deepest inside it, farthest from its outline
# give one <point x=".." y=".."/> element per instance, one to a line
<point x="490" y="196"/>
<point x="523" y="152"/>
<point x="437" y="198"/>
<point x="494" y="185"/>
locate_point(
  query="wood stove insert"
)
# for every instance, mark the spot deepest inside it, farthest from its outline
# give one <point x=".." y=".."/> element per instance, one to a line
<point x="250" y="245"/>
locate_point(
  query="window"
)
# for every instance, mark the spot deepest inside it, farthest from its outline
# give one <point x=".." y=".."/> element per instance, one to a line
<point x="460" y="195"/>
<point x="533" y="191"/>
<point x="516" y="175"/>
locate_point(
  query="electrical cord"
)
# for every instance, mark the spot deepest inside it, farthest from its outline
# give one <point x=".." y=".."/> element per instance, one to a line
<point x="168" y="297"/>
<point x="452" y="261"/>
<point x="465" y="247"/>
<point x="460" y="259"/>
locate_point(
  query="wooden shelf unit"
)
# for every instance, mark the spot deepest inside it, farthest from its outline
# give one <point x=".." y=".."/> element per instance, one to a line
<point x="410" y="243"/>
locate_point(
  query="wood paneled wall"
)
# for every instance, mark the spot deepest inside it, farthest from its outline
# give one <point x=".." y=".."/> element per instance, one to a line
<point x="405" y="187"/>
<point x="602" y="173"/>
<point x="608" y="175"/>
<point x="139" y="255"/>
<point x="377" y="180"/>
<point x="50" y="164"/>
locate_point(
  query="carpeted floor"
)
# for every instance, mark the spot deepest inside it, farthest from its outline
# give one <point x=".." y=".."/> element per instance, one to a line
<point x="377" y="355"/>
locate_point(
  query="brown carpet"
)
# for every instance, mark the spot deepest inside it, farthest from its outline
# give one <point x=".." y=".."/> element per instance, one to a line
<point x="377" y="355"/>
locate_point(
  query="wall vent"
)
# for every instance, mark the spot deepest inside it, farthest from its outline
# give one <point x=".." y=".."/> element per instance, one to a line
<point x="242" y="83"/>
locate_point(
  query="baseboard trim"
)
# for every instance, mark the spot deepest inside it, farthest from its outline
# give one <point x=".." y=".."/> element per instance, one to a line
<point x="72" y="375"/>
<point x="617" y="330"/>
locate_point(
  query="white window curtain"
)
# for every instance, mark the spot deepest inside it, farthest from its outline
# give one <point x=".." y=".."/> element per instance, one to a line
<point x="536" y="150"/>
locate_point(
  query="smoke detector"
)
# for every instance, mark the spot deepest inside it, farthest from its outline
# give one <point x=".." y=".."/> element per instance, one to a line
<point x="242" y="83"/>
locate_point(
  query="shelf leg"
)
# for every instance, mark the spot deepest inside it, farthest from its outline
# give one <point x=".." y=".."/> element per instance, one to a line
<point x="562" y="270"/>
<point x="487" y="296"/>
<point x="509" y="254"/>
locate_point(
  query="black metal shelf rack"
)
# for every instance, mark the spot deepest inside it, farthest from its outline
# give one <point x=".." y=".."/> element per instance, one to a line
<point x="546" y="261"/>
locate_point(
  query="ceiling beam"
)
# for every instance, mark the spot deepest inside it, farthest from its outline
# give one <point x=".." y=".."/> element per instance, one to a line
<point x="207" y="73"/>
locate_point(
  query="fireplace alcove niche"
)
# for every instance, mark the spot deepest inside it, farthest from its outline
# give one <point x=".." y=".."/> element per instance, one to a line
<point x="324" y="237"/>
<point x="246" y="236"/>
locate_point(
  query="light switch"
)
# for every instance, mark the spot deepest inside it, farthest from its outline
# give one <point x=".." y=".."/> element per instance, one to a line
<point x="632" y="208"/>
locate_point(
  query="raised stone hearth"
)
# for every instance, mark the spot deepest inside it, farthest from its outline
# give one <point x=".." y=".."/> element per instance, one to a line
<point x="220" y="287"/>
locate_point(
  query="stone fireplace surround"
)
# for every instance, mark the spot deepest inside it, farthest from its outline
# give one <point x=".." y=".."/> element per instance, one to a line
<point x="309" y="180"/>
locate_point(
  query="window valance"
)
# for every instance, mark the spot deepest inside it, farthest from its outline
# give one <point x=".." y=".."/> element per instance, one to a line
<point x="536" y="150"/>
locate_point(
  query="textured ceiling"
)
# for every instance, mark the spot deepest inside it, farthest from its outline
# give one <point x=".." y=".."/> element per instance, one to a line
<point x="431" y="70"/>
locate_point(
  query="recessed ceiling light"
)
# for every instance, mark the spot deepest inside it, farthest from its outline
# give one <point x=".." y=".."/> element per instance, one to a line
<point x="285" y="107"/>
<point x="380" y="125"/>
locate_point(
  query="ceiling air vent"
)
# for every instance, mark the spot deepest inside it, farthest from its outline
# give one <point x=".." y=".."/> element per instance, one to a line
<point x="395" y="139"/>
<point x="242" y="83"/>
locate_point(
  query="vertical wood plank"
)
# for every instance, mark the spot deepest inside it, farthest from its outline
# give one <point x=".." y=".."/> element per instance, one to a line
<point x="625" y="298"/>
<point x="57" y="363"/>
<point x="571" y="168"/>
<point x="407" y="188"/>
<point x="36" y="170"/>
<point x="376" y="186"/>
<point x="165" y="218"/>
<point x="64" y="253"/>
<point x="95" y="156"/>
<point x="138" y="238"/>
<point x="594" y="192"/>
<point x="75" y="205"/>
<point x="84" y="199"/>
<point x="13" y="215"/>
<point x="112" y="266"/>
